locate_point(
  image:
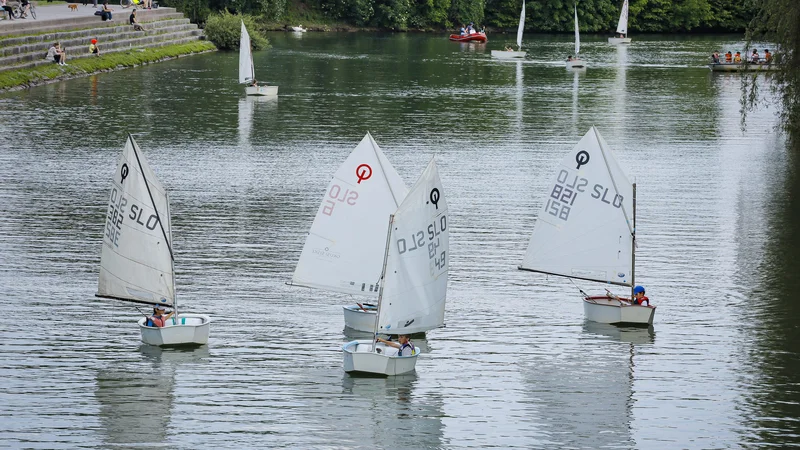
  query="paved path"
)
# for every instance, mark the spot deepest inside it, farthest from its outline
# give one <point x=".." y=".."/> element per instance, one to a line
<point x="47" y="13"/>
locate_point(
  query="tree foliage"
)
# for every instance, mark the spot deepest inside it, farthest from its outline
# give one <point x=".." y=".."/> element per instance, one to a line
<point x="779" y="21"/>
<point x="225" y="29"/>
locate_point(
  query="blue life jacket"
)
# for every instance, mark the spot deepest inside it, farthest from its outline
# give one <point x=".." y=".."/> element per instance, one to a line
<point x="402" y="347"/>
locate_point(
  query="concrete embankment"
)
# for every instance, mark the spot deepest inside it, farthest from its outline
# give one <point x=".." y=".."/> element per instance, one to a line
<point x="24" y="42"/>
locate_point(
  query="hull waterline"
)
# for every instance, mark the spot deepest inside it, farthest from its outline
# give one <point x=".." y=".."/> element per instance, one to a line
<point x="193" y="329"/>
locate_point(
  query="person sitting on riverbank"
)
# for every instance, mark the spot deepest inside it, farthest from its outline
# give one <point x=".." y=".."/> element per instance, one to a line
<point x="93" y="48"/>
<point x="767" y="56"/>
<point x="7" y="8"/>
<point x="106" y="12"/>
<point x="737" y="58"/>
<point x="134" y="22"/>
<point x="57" y="54"/>
<point x="729" y="57"/>
<point x="715" y="57"/>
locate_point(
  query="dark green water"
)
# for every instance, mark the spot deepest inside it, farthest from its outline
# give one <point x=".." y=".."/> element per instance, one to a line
<point x="516" y="366"/>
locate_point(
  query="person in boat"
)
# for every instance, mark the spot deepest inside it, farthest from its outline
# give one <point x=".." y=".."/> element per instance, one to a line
<point x="404" y="346"/>
<point x="463" y="30"/>
<point x="639" y="297"/>
<point x="158" y="319"/>
<point x="509" y="48"/>
<point x="737" y="58"/>
<point x="570" y="58"/>
<point x="715" y="57"/>
<point x="729" y="57"/>
<point x="767" y="56"/>
<point x="754" y="57"/>
<point x="471" y="28"/>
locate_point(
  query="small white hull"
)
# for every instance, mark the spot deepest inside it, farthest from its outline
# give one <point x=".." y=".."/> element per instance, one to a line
<point x="615" y="41"/>
<point x="577" y="64"/>
<point x="299" y="29"/>
<point x="262" y="91"/>
<point x="193" y="329"/>
<point x="502" y="54"/>
<point x="357" y="319"/>
<point x="361" y="358"/>
<point x="602" y="309"/>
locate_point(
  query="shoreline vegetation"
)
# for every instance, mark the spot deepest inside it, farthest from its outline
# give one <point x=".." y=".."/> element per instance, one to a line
<point x="13" y="80"/>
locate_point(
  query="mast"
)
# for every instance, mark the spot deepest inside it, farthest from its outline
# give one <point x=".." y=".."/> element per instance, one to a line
<point x="633" y="245"/>
<point x="172" y="265"/>
<point x="383" y="276"/>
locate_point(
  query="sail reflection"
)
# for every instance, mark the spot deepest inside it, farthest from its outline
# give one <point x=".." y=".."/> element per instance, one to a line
<point x="136" y="398"/>
<point x="584" y="399"/>
<point x="246" y="108"/>
<point x="396" y="416"/>
<point x="520" y="90"/>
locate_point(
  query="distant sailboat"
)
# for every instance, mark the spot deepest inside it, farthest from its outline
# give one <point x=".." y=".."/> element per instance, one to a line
<point x="137" y="263"/>
<point x="503" y="54"/>
<point x="576" y="62"/>
<point x="586" y="228"/>
<point x="247" y="73"/>
<point x="413" y="284"/>
<point x="622" y="27"/>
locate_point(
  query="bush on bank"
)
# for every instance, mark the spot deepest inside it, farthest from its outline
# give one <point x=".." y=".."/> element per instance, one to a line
<point x="224" y="30"/>
<point x="85" y="66"/>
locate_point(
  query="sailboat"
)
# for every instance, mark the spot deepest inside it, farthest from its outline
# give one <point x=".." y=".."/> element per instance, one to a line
<point x="247" y="72"/>
<point x="586" y="230"/>
<point x="503" y="54"/>
<point x="137" y="261"/>
<point x="344" y="248"/>
<point x="576" y="62"/>
<point x="622" y="27"/>
<point x="413" y="283"/>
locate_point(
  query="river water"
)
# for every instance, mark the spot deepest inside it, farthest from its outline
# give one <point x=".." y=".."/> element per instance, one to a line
<point x="516" y="365"/>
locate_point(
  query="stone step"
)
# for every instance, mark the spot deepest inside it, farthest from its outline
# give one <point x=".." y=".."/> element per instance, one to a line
<point x="29" y="43"/>
<point x="30" y="26"/>
<point x="158" y="40"/>
<point x="108" y="35"/>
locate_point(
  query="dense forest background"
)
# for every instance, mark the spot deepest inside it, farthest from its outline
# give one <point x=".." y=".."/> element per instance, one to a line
<point x="542" y="15"/>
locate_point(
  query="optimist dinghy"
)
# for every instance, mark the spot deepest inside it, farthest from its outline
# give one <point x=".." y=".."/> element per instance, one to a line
<point x="413" y="284"/>
<point x="586" y="230"/>
<point x="137" y="261"/>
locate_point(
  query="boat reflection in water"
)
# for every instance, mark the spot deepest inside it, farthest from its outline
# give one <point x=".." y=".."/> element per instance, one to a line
<point x="584" y="398"/>
<point x="398" y="415"/>
<point x="136" y="397"/>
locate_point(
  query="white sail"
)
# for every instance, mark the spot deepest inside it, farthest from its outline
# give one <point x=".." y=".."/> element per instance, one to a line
<point x="136" y="260"/>
<point x="584" y="227"/>
<point x="344" y="249"/>
<point x="415" y="285"/>
<point x="577" y="34"/>
<point x="622" y="25"/>
<point x="521" y="26"/>
<point x="246" y="70"/>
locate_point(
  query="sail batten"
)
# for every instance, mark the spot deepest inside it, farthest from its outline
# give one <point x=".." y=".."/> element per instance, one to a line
<point x="136" y="261"/>
<point x="582" y="230"/>
<point x="344" y="249"/>
<point x="417" y="261"/>
<point x="622" y="24"/>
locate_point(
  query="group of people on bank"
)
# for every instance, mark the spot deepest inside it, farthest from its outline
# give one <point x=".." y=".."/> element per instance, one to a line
<point x="736" y="58"/>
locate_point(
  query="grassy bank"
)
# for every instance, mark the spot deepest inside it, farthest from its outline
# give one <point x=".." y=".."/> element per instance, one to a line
<point x="14" y="79"/>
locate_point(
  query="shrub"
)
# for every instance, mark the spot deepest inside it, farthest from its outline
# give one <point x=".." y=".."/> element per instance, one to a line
<point x="224" y="30"/>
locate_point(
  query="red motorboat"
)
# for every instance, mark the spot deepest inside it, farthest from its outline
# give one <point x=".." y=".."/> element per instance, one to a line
<point x="474" y="37"/>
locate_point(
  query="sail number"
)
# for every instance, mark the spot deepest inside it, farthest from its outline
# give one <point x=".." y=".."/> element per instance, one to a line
<point x="116" y="214"/>
<point x="418" y="241"/>
<point x="565" y="191"/>
<point x="337" y="195"/>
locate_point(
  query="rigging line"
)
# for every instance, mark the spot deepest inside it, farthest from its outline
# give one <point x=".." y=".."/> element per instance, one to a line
<point x="613" y="182"/>
<point x="380" y="164"/>
<point x="147" y="185"/>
